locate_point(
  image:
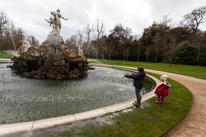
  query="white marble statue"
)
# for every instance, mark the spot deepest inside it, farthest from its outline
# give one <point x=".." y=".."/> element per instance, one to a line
<point x="80" y="51"/>
<point x="55" y="21"/>
<point x="25" y="46"/>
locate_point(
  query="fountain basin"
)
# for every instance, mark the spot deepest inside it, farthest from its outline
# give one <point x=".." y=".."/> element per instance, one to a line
<point x="25" y="99"/>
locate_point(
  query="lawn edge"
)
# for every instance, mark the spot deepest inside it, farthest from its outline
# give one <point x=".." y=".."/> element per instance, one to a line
<point x="120" y="67"/>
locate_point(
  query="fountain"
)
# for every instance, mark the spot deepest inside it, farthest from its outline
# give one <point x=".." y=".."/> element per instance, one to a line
<point x="53" y="59"/>
<point x="48" y="96"/>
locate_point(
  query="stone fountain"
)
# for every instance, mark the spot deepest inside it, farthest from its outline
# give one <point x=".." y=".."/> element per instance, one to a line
<point x="52" y="59"/>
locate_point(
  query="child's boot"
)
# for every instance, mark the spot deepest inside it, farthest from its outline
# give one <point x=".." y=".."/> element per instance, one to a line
<point x="137" y="103"/>
<point x="158" y="100"/>
<point x="162" y="100"/>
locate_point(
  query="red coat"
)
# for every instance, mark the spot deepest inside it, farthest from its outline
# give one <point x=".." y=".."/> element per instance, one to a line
<point x="163" y="89"/>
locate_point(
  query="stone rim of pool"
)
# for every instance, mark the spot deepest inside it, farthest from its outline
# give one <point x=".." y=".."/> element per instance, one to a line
<point x="50" y="122"/>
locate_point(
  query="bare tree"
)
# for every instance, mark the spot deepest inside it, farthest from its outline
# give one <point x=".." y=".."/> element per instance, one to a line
<point x="110" y="49"/>
<point x="194" y="19"/>
<point x="72" y="42"/>
<point x="172" y="45"/>
<point x="128" y="52"/>
<point x="139" y="47"/>
<point x="123" y="35"/>
<point x="33" y="41"/>
<point x="197" y="40"/>
<point x="164" y="28"/>
<point x="10" y="37"/>
<point x="13" y="34"/>
<point x="3" y="24"/>
<point x="111" y="45"/>
<point x="88" y="31"/>
<point x="16" y="36"/>
<point x="103" y="44"/>
<point x="148" y="49"/>
<point x="80" y="38"/>
<point x="19" y="35"/>
<point x="91" y="50"/>
<point x="137" y="39"/>
<point x="100" y="31"/>
<point x="156" y="44"/>
<point x="7" y="40"/>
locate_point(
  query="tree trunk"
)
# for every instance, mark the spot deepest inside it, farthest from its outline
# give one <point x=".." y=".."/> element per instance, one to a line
<point x="109" y="56"/>
<point x="147" y="54"/>
<point x="170" y="62"/>
<point x="156" y="57"/>
<point x="147" y="57"/>
<point x="1" y="41"/>
<point x="164" y="50"/>
<point x="164" y="45"/>
<point x="156" y="53"/>
<point x="127" y="53"/>
<point x="138" y="56"/>
<point x="103" y="53"/>
<point x="198" y="54"/>
<point x="138" y="52"/>
<point x="96" y="54"/>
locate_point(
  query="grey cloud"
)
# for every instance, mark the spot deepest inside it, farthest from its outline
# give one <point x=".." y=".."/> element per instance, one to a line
<point x="135" y="14"/>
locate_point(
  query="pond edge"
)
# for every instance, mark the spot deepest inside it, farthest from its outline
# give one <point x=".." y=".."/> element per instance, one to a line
<point x="51" y="122"/>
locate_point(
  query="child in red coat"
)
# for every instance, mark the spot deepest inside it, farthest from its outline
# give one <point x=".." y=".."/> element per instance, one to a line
<point x="162" y="89"/>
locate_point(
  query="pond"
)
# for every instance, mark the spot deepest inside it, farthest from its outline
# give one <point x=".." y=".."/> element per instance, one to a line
<point x="23" y="99"/>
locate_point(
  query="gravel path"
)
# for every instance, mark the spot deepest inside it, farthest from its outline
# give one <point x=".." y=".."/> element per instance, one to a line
<point x="194" y="123"/>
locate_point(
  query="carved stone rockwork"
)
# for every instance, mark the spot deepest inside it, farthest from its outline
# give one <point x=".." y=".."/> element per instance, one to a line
<point x="51" y="60"/>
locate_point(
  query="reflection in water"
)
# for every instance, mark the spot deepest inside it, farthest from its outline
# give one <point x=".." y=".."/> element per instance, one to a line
<point x="23" y="99"/>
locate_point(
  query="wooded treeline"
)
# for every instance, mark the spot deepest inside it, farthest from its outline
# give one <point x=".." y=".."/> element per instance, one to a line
<point x="181" y="43"/>
<point x="11" y="37"/>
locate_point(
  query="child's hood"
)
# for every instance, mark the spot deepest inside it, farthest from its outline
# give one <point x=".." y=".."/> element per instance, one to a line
<point x="166" y="84"/>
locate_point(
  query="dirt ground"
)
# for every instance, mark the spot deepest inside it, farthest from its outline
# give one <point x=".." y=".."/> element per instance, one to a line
<point x="194" y="123"/>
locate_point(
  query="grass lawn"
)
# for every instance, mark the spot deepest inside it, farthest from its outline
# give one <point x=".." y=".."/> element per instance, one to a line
<point x="194" y="71"/>
<point x="3" y="55"/>
<point x="152" y="121"/>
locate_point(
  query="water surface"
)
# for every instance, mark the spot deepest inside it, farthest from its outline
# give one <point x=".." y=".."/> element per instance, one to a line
<point x="23" y="99"/>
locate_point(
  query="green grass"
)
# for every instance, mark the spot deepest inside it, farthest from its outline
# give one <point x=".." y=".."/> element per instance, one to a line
<point x="194" y="71"/>
<point x="151" y="121"/>
<point x="3" y="55"/>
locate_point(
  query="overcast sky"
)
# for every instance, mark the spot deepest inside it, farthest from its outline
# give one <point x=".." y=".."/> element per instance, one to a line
<point x="135" y="14"/>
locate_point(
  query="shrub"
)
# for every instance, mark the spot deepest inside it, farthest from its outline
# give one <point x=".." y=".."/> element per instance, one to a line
<point x="186" y="54"/>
